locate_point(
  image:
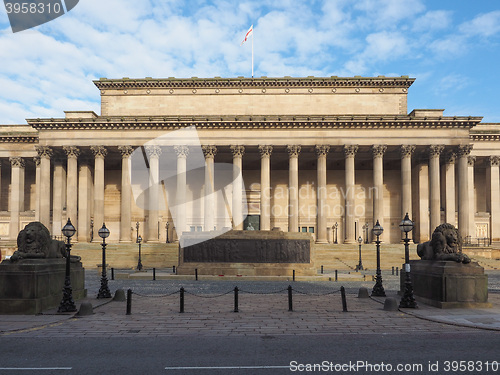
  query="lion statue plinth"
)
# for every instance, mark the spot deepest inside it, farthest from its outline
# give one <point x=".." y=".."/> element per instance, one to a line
<point x="35" y="242"/>
<point x="444" y="245"/>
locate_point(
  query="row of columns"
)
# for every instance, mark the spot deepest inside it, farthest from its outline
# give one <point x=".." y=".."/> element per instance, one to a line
<point x="66" y="188"/>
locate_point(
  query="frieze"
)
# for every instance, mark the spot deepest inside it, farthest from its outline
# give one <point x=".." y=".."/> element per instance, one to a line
<point x="222" y="250"/>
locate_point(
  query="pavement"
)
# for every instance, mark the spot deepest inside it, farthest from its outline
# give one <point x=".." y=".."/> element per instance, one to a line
<point x="263" y="310"/>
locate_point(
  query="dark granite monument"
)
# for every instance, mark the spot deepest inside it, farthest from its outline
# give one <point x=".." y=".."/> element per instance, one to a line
<point x="32" y="280"/>
<point x="250" y="253"/>
<point x="445" y="277"/>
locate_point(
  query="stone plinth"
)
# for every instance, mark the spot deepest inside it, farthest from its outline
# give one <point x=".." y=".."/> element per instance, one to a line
<point x="247" y="253"/>
<point x="30" y="286"/>
<point x="448" y="284"/>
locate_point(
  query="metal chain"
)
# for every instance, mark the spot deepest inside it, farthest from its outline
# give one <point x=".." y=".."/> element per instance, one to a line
<point x="275" y="292"/>
<point x="202" y="296"/>
<point x="316" y="295"/>
<point x="155" y="295"/>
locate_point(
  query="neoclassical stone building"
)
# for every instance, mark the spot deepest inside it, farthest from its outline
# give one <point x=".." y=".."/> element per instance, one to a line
<point x="333" y="154"/>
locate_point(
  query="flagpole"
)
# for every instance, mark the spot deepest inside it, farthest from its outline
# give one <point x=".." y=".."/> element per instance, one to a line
<point x="252" y="51"/>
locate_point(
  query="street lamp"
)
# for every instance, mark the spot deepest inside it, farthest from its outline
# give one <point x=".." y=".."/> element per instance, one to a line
<point x="166" y="228"/>
<point x="378" y="289"/>
<point x="359" y="267"/>
<point x="104" y="290"/>
<point x="137" y="232"/>
<point x="91" y="230"/>
<point x="407" y="300"/>
<point x="336" y="227"/>
<point x="67" y="303"/>
<point x="139" y="264"/>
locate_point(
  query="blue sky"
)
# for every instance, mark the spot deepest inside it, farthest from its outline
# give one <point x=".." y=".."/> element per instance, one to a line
<point x="452" y="48"/>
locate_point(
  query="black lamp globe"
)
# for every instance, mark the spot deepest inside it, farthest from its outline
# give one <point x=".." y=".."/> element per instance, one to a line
<point x="406" y="224"/>
<point x="360" y="239"/>
<point x="377" y="229"/>
<point x="68" y="230"/>
<point x="103" y="232"/>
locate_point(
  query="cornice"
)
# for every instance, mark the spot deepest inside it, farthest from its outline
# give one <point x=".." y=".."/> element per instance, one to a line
<point x="18" y="139"/>
<point x="484" y="137"/>
<point x="256" y="122"/>
<point x="241" y="82"/>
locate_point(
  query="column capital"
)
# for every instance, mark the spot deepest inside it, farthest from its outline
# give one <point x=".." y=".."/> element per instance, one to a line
<point x="182" y="151"/>
<point x="321" y="150"/>
<point x="450" y="157"/>
<point x="350" y="150"/>
<point x="36" y="159"/>
<point x="494" y="160"/>
<point x="379" y="150"/>
<point x="435" y="150"/>
<point x="44" y="151"/>
<point x="17" y="161"/>
<point x="464" y="150"/>
<point x="209" y="151"/>
<point x="238" y="151"/>
<point x="293" y="150"/>
<point x="71" y="151"/>
<point x="99" y="151"/>
<point x="153" y="151"/>
<point x="126" y="151"/>
<point x="407" y="150"/>
<point x="471" y="159"/>
<point x="265" y="150"/>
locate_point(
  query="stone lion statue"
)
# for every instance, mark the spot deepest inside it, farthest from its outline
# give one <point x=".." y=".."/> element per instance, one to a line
<point x="444" y="245"/>
<point x="35" y="242"/>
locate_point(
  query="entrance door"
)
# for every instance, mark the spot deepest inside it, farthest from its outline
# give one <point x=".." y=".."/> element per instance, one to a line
<point x="251" y="222"/>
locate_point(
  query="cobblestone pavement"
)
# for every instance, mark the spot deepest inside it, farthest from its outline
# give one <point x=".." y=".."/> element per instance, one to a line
<point x="263" y="310"/>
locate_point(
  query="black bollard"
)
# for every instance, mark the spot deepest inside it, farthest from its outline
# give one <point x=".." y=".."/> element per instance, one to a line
<point x="129" y="301"/>
<point x="290" y="303"/>
<point x="173" y="269"/>
<point x="182" y="299"/>
<point x="112" y="273"/>
<point x="322" y="270"/>
<point x="236" y="299"/>
<point x="154" y="273"/>
<point x="196" y="274"/>
<point x="393" y="270"/>
<point x="293" y="275"/>
<point x="336" y="275"/>
<point x="344" y="302"/>
<point x="397" y="271"/>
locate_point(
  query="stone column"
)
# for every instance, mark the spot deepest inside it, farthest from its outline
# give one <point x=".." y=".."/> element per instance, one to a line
<point x="72" y="184"/>
<point x="463" y="190"/>
<point x="180" y="208"/>
<point x="45" y="153"/>
<point x="84" y="200"/>
<point x="449" y="187"/>
<point x="100" y="153"/>
<point x="265" y="186"/>
<point x="493" y="196"/>
<point x="322" y="212"/>
<point x="293" y="187"/>
<point x="209" y="197"/>
<point x="406" y="197"/>
<point x="154" y="153"/>
<point x="378" y="185"/>
<point x="434" y="182"/>
<point x="238" y="152"/>
<point x="471" y="159"/>
<point x="57" y="201"/>
<point x="350" y="153"/>
<point x="36" y="160"/>
<point x="17" y="173"/>
<point x="126" y="195"/>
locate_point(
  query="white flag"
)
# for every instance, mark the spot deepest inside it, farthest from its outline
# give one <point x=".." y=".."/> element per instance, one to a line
<point x="247" y="35"/>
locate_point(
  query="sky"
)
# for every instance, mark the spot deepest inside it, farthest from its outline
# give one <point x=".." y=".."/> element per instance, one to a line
<point x="451" y="48"/>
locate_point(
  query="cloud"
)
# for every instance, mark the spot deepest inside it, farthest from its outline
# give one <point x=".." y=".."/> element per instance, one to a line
<point x="432" y="21"/>
<point x="486" y="25"/>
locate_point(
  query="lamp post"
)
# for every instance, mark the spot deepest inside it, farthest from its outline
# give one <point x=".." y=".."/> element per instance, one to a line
<point x="137" y="232"/>
<point x="104" y="290"/>
<point x="378" y="289"/>
<point x="365" y="227"/>
<point x="359" y="267"/>
<point x="166" y="228"/>
<point x="336" y="225"/>
<point x="139" y="264"/>
<point x="67" y="303"/>
<point x="91" y="230"/>
<point x="407" y="300"/>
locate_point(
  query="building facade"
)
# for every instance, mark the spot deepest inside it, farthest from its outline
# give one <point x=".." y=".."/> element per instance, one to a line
<point x="329" y="156"/>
